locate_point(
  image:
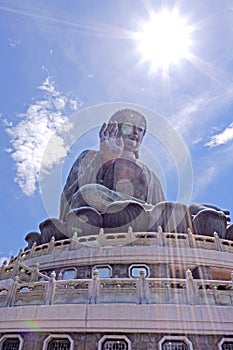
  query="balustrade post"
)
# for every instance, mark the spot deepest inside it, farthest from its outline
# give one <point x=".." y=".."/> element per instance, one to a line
<point x="2" y="269"/>
<point x="162" y="240"/>
<point x="167" y="293"/>
<point x="10" y="300"/>
<point x="20" y="254"/>
<point x="143" y="288"/>
<point x="191" y="239"/>
<point x="217" y="242"/>
<point x="35" y="273"/>
<point x="93" y="288"/>
<point x="216" y="295"/>
<point x="51" y="287"/>
<point x="101" y="237"/>
<point x="16" y="267"/>
<point x="191" y="287"/>
<point x="32" y="250"/>
<point x="130" y="235"/>
<point x="74" y="244"/>
<point x="59" y="277"/>
<point x="51" y="244"/>
<point x="232" y="279"/>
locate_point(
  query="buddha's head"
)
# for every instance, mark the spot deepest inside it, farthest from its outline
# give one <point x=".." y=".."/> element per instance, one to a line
<point x="131" y="127"/>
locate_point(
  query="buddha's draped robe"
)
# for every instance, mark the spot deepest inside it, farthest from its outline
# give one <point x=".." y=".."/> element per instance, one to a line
<point x="102" y="184"/>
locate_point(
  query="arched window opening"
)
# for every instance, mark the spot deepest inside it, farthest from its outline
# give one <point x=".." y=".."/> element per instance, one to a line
<point x="59" y="344"/>
<point x="174" y="345"/>
<point x="114" y="344"/>
<point x="135" y="270"/>
<point x="11" y="344"/>
<point x="104" y="271"/>
<point x="227" y="346"/>
<point x="69" y="274"/>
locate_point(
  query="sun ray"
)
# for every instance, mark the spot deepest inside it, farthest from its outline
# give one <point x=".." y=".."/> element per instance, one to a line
<point x="212" y="72"/>
<point x="75" y="23"/>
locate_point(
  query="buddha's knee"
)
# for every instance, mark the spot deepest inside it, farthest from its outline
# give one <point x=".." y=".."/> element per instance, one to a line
<point x="78" y="198"/>
<point x="85" y="196"/>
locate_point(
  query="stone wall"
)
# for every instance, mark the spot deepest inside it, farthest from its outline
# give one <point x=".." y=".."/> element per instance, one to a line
<point x="139" y="341"/>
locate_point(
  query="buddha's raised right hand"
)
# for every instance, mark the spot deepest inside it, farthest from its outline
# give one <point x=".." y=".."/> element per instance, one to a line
<point x="111" y="145"/>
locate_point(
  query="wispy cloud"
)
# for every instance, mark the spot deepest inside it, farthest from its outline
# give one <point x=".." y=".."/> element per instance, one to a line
<point x="221" y="138"/>
<point x="184" y="119"/>
<point x="205" y="176"/>
<point x="13" y="43"/>
<point x="210" y="168"/>
<point x="42" y="120"/>
<point x="200" y="110"/>
<point x="197" y="140"/>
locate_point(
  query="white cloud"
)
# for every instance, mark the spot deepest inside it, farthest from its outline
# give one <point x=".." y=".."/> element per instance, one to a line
<point x="56" y="151"/>
<point x="75" y="104"/>
<point x="43" y="119"/>
<point x="221" y="138"/>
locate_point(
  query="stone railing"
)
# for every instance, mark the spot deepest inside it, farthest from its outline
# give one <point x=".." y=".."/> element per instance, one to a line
<point x="24" y="272"/>
<point x="118" y="290"/>
<point x="160" y="239"/>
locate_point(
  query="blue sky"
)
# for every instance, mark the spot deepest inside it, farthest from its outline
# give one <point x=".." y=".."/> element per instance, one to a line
<point x="60" y="58"/>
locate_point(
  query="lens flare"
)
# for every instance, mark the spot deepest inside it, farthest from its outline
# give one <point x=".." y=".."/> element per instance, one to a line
<point x="31" y="324"/>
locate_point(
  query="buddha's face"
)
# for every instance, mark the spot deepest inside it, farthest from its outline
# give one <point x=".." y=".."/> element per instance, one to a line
<point x="132" y="135"/>
<point x="131" y="128"/>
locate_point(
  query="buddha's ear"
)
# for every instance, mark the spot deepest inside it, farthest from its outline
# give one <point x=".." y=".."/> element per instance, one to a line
<point x="136" y="154"/>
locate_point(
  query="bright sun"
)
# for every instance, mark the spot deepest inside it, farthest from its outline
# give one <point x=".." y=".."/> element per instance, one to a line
<point x="164" y="40"/>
